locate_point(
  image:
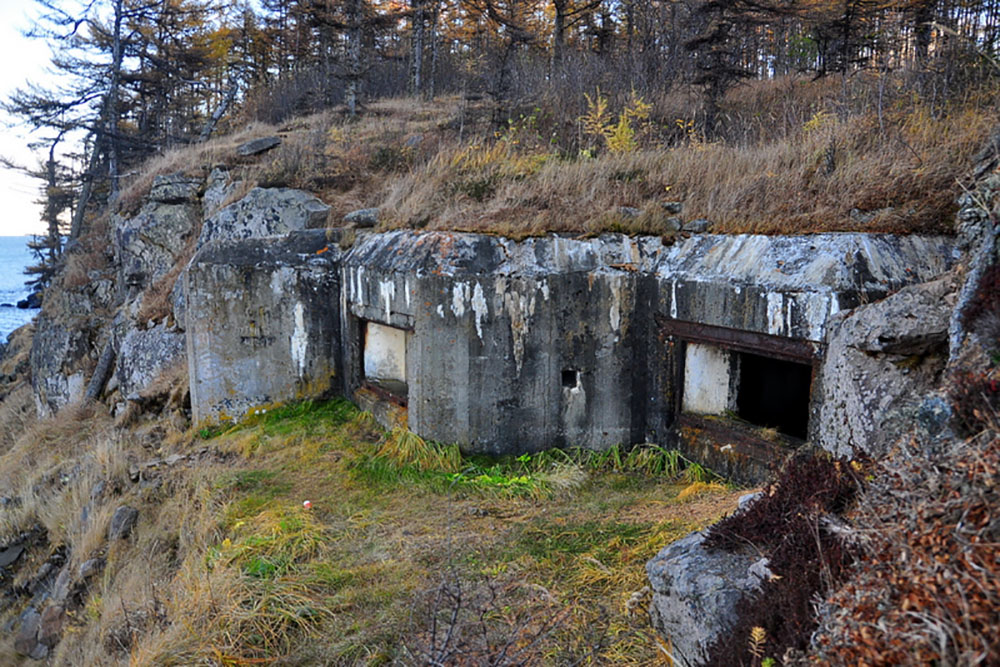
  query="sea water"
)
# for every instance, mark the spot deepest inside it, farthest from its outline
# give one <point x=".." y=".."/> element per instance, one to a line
<point x="14" y="257"/>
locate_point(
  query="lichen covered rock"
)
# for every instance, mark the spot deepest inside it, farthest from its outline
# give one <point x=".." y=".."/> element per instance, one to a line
<point x="696" y="592"/>
<point x="265" y="212"/>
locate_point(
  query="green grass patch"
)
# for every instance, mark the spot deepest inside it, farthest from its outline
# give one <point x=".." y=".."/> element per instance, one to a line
<point x="268" y="544"/>
<point x="302" y="417"/>
<point x="545" y="539"/>
<point x="404" y="458"/>
<point x="305" y="417"/>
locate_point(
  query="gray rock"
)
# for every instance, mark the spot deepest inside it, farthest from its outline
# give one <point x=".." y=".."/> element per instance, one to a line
<point x="61" y="587"/>
<point x="265" y="212"/>
<point x="629" y="211"/>
<point x="143" y="355"/>
<point x="101" y="292"/>
<point x="933" y="419"/>
<point x="672" y="207"/>
<point x="174" y="189"/>
<point x="178" y="301"/>
<point x="91" y="567"/>
<point x="58" y="346"/>
<point x="26" y="640"/>
<point x="699" y="226"/>
<point x="673" y="224"/>
<point x="257" y="146"/>
<point x="696" y="592"/>
<point x="364" y="217"/>
<point x="10" y="555"/>
<point x="747" y="499"/>
<point x="149" y="244"/>
<point x="217" y="190"/>
<point x="122" y="523"/>
<point x="881" y="359"/>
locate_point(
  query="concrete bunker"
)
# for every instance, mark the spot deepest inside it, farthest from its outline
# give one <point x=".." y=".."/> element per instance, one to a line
<point x="710" y="345"/>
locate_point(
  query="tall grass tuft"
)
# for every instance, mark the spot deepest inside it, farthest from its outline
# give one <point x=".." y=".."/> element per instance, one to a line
<point x="405" y="448"/>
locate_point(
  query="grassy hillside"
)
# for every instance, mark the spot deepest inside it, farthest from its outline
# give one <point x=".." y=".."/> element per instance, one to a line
<point x="865" y="154"/>
<point x="409" y="551"/>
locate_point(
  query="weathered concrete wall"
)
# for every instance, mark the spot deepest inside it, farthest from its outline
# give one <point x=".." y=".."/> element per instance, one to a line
<point x="262" y="323"/>
<point x="790" y="286"/>
<point x="494" y="324"/>
<point x="518" y="346"/>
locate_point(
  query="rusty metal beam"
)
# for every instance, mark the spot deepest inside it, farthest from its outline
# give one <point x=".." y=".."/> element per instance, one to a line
<point x="777" y="347"/>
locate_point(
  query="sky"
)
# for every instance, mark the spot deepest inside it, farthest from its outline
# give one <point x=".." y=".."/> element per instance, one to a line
<point x="23" y="60"/>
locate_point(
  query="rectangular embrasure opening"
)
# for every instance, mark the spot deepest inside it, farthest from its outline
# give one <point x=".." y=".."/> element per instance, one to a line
<point x="760" y="390"/>
<point x="774" y="393"/>
<point x="384" y="357"/>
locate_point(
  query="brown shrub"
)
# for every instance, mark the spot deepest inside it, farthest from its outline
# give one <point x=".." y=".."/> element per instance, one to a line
<point x="786" y="524"/>
<point x="926" y="589"/>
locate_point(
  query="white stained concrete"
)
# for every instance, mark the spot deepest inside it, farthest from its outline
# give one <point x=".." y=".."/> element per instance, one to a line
<point x="385" y="353"/>
<point x="706" y="380"/>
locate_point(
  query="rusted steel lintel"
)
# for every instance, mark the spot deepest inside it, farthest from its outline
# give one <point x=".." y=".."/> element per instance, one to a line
<point x="743" y="341"/>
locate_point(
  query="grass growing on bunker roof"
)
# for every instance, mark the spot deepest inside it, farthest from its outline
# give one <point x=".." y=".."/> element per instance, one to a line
<point x="539" y="554"/>
<point x="798" y="156"/>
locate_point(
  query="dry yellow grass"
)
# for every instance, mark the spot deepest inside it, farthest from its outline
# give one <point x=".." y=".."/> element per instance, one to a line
<point x="797" y="163"/>
<point x="226" y="567"/>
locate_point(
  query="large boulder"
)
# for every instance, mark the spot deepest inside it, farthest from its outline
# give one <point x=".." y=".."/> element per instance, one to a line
<point x="144" y="355"/>
<point x="59" y="353"/>
<point x="696" y="592"/>
<point x="175" y="189"/>
<point x="149" y="244"/>
<point x="218" y="189"/>
<point x="265" y="212"/>
<point x="882" y="359"/>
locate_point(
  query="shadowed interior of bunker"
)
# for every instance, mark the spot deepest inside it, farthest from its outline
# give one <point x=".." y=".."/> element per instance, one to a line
<point x="774" y="393"/>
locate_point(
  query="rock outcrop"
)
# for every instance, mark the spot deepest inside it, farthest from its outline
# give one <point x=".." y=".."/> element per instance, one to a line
<point x="126" y="319"/>
<point x="696" y="592"/>
<point x="265" y="212"/>
<point x="882" y="360"/>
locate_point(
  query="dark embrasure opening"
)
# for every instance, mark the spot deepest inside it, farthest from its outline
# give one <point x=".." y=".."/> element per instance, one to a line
<point x="774" y="393"/>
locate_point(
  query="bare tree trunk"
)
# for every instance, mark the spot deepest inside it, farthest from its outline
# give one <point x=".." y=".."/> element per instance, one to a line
<point x="112" y="105"/>
<point x="353" y="55"/>
<point x="558" y="36"/>
<point x="417" y="47"/>
<point x="432" y="79"/>
<point x="219" y="112"/>
<point x="76" y="227"/>
<point x="52" y="205"/>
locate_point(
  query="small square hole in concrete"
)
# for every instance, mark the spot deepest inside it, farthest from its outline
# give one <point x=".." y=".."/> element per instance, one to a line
<point x="571" y="379"/>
